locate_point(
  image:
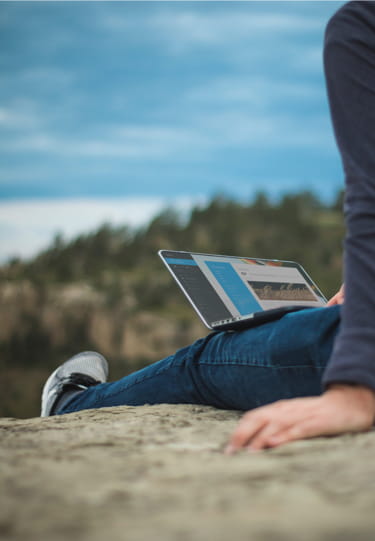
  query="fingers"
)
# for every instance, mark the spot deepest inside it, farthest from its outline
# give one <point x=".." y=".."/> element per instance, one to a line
<point x="333" y="300"/>
<point x="307" y="429"/>
<point x="257" y="426"/>
<point x="341" y="409"/>
<point x="250" y="424"/>
<point x="338" y="298"/>
<point x="276" y="424"/>
<point x="256" y="435"/>
<point x="265" y="438"/>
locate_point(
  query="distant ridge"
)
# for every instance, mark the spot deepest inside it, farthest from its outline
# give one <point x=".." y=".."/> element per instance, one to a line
<point x="105" y="289"/>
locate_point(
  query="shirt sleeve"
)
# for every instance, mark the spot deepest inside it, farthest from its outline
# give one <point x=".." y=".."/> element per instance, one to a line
<point x="349" y="62"/>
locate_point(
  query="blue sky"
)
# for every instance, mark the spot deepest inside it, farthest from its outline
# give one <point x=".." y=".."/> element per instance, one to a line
<point x="111" y="110"/>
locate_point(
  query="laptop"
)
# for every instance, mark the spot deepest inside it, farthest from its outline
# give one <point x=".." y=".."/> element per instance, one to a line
<point x="234" y="293"/>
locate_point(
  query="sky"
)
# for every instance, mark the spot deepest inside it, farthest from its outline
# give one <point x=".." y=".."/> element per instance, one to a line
<point x="111" y="111"/>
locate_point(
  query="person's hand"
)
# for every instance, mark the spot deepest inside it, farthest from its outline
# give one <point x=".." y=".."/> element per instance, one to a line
<point x="338" y="298"/>
<point x="342" y="408"/>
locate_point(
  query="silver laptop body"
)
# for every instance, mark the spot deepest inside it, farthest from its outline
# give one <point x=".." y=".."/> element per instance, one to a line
<point x="233" y="293"/>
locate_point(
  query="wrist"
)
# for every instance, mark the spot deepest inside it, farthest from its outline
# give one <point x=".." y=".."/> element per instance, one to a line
<point x="355" y="395"/>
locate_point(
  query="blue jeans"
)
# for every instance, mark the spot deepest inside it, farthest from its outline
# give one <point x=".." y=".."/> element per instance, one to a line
<point x="231" y="370"/>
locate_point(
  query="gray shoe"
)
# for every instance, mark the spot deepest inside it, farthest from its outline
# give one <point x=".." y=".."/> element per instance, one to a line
<point x="80" y="372"/>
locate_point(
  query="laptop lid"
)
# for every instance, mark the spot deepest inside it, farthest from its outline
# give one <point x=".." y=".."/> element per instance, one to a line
<point x="228" y="288"/>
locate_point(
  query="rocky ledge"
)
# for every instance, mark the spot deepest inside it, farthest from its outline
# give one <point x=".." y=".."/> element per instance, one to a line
<point x="158" y="473"/>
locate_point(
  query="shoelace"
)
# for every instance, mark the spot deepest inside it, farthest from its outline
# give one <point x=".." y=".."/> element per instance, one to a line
<point x="77" y="380"/>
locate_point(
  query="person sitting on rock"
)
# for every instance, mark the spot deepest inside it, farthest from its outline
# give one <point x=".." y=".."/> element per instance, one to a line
<point x="312" y="372"/>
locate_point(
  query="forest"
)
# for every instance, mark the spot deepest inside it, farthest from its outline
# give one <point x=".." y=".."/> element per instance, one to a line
<point x="107" y="290"/>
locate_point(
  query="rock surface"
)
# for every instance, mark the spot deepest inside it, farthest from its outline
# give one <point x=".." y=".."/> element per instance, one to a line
<point x="158" y="473"/>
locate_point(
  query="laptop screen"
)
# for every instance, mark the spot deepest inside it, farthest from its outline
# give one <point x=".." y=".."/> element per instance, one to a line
<point x="225" y="286"/>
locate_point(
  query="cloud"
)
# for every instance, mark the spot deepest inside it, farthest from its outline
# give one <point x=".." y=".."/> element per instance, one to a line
<point x="40" y="76"/>
<point x="23" y="172"/>
<point x="213" y="28"/>
<point x="18" y="116"/>
<point x="28" y="226"/>
<point x="122" y="141"/>
<point x="98" y="102"/>
<point x="232" y="31"/>
<point x="186" y="28"/>
<point x="308" y="59"/>
<point x="209" y="135"/>
<point x="68" y="165"/>
<point x="236" y="127"/>
<point x="253" y="90"/>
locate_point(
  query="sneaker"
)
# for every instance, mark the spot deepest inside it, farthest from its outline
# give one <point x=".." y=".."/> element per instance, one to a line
<point x="79" y="372"/>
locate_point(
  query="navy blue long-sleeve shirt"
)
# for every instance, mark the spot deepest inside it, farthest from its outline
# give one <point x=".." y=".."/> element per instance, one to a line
<point x="349" y="58"/>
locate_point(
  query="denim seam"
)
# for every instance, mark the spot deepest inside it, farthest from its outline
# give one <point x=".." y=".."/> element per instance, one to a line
<point x="211" y="363"/>
<point x="258" y="365"/>
<point x="140" y="380"/>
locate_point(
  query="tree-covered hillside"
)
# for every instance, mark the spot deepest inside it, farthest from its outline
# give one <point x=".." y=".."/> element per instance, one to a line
<point x="298" y="227"/>
<point x="108" y="290"/>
